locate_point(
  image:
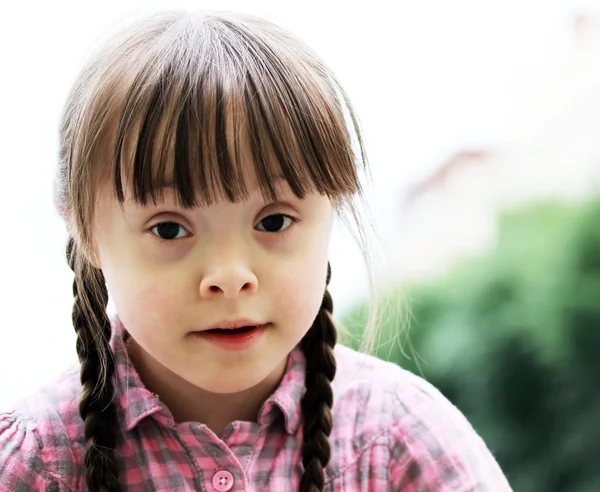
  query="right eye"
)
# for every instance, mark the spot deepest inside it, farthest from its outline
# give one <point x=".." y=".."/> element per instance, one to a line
<point x="169" y="231"/>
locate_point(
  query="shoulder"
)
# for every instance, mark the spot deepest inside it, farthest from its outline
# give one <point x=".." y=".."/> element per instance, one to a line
<point x="367" y="385"/>
<point x="431" y="445"/>
<point x="40" y="437"/>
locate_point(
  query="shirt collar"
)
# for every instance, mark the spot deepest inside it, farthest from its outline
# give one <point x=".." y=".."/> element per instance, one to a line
<point x="137" y="402"/>
<point x="288" y="395"/>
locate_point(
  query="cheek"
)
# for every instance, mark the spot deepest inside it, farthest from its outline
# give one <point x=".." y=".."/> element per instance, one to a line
<point x="143" y="303"/>
<point x="299" y="287"/>
<point x="300" y="296"/>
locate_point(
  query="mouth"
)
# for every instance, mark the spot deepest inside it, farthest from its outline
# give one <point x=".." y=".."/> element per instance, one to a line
<point x="231" y="331"/>
<point x="232" y="327"/>
<point x="233" y="336"/>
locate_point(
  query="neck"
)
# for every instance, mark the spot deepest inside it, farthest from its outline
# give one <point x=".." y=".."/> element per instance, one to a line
<point x="189" y="403"/>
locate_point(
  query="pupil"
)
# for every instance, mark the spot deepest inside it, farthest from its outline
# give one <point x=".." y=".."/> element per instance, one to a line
<point x="167" y="230"/>
<point x="273" y="223"/>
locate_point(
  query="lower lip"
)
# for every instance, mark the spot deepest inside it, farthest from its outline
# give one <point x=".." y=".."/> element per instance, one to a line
<point x="233" y="341"/>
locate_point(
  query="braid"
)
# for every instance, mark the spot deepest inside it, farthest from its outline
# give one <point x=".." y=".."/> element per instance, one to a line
<point x="318" y="346"/>
<point x="96" y="406"/>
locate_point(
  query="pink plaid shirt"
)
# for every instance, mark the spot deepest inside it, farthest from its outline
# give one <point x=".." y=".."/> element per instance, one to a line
<point x="391" y="431"/>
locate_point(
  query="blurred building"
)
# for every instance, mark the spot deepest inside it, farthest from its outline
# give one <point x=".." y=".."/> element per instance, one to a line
<point x="452" y="213"/>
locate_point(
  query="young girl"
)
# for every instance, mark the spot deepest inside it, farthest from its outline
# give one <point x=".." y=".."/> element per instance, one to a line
<point x="201" y="161"/>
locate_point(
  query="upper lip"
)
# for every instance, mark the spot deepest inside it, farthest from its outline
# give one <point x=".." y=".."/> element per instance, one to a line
<point x="233" y="324"/>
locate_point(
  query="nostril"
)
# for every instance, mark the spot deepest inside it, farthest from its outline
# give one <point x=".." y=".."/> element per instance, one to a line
<point x="228" y="285"/>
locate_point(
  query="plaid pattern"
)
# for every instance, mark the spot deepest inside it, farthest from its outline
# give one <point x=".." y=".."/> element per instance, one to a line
<point x="392" y="431"/>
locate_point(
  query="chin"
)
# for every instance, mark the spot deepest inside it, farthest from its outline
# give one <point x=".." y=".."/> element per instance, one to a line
<point x="236" y="378"/>
<point x="230" y="386"/>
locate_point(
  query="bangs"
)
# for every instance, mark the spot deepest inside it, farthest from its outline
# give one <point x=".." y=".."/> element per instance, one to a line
<point x="219" y="103"/>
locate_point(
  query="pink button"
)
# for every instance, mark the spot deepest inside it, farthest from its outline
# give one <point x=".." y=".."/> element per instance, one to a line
<point x="223" y="481"/>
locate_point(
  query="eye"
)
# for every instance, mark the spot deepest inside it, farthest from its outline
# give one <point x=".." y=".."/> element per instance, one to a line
<point x="275" y="223"/>
<point x="169" y="230"/>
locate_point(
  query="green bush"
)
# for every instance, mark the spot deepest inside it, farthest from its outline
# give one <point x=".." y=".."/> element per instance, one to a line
<point x="513" y="340"/>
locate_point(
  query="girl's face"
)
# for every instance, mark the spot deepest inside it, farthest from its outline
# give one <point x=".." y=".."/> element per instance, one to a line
<point x="173" y="273"/>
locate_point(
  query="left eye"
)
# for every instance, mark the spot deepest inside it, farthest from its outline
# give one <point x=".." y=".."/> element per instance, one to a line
<point x="275" y="223"/>
<point x="169" y="230"/>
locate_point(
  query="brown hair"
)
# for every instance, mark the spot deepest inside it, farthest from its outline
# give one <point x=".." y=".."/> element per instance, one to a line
<point x="174" y="100"/>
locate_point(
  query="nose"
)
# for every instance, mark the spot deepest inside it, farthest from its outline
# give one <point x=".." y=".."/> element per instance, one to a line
<point x="228" y="281"/>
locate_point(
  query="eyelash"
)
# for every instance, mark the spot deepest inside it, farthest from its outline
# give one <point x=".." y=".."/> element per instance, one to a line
<point x="292" y="219"/>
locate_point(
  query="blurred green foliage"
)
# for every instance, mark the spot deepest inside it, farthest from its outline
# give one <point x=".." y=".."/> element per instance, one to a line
<point x="512" y="338"/>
